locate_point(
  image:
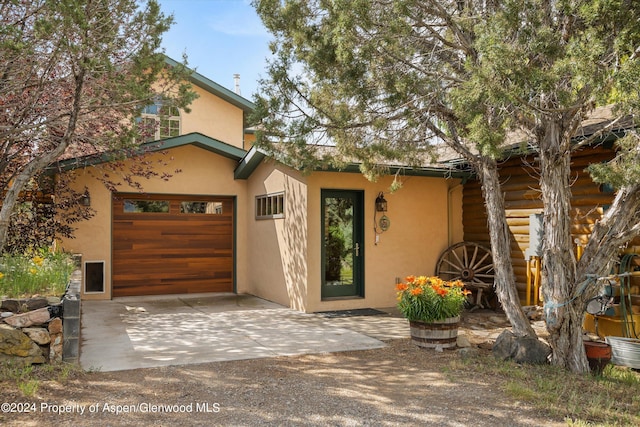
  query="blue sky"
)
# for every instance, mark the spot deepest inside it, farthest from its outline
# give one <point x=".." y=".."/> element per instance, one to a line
<point x="220" y="38"/>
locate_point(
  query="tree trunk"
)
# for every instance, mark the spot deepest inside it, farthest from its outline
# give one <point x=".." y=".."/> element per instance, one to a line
<point x="18" y="184"/>
<point x="619" y="225"/>
<point x="505" y="283"/>
<point x="563" y="309"/>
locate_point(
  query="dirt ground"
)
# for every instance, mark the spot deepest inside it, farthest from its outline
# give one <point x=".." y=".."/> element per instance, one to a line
<point x="399" y="385"/>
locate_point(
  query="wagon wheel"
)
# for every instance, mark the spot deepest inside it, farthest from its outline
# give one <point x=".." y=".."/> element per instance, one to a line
<point x="472" y="264"/>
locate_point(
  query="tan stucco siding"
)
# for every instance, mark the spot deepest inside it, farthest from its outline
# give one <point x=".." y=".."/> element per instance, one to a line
<point x="419" y="232"/>
<point x="202" y="173"/>
<point x="285" y="254"/>
<point x="249" y="140"/>
<point x="215" y="118"/>
<point x="277" y="253"/>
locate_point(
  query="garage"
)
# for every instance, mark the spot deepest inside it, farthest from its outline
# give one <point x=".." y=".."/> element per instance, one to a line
<point x="172" y="244"/>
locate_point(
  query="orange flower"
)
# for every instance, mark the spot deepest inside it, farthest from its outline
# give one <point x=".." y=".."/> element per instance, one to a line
<point x="466" y="292"/>
<point x="402" y="287"/>
<point x="410" y="279"/>
<point x="421" y="281"/>
<point x="438" y="281"/>
<point x="442" y="292"/>
<point x="416" y="291"/>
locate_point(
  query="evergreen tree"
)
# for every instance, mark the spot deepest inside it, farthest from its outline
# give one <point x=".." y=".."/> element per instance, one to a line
<point x="394" y="79"/>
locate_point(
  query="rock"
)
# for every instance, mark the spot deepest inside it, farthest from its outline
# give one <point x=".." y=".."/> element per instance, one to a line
<point x="6" y="314"/>
<point x="38" y="335"/>
<point x="36" y="303"/>
<point x="14" y="342"/>
<point x="500" y="320"/>
<point x="36" y="317"/>
<point x="520" y="349"/>
<point x="12" y="305"/>
<point x="22" y="361"/>
<point x="462" y="341"/>
<point x="56" y="348"/>
<point x="55" y="326"/>
<point x="53" y="300"/>
<point x="24" y="305"/>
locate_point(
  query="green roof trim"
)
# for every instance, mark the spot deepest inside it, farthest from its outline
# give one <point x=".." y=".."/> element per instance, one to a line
<point x="216" y="89"/>
<point x="249" y="163"/>
<point x="199" y="140"/>
<point x="255" y="156"/>
<point x="196" y="139"/>
<point x="428" y="171"/>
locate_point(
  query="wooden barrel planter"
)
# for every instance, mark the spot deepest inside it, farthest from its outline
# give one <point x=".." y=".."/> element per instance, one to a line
<point x="438" y="334"/>
<point x="598" y="355"/>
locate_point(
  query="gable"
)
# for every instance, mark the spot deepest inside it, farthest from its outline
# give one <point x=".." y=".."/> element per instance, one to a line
<point x="195" y="139"/>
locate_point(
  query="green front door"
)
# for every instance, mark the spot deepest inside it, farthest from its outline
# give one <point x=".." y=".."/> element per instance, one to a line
<point x="342" y="247"/>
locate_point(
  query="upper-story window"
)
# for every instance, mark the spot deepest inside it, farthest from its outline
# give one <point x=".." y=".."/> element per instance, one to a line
<point x="160" y="121"/>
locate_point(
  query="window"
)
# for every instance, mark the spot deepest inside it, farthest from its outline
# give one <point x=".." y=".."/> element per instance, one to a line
<point x="209" y="208"/>
<point x="159" y="121"/>
<point x="270" y="206"/>
<point x="146" y="206"/>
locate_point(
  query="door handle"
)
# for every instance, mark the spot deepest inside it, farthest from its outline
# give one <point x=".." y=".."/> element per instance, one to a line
<point x="357" y="249"/>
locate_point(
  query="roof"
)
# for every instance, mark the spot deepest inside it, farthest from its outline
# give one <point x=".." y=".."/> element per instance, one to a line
<point x="216" y="89"/>
<point x="255" y="156"/>
<point x="197" y="139"/>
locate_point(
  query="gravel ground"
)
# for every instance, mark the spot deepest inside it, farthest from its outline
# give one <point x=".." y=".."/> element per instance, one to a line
<point x="399" y="385"/>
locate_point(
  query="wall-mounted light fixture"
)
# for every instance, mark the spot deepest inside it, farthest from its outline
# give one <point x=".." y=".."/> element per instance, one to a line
<point x="85" y="199"/>
<point x="381" y="203"/>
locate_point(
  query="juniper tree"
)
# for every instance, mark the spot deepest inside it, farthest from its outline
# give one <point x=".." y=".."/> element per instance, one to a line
<point x="391" y="80"/>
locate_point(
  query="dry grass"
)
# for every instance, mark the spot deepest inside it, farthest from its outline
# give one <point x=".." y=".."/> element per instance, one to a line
<point x="611" y="398"/>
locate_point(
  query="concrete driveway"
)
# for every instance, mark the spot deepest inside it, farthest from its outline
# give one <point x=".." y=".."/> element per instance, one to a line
<point x="144" y="332"/>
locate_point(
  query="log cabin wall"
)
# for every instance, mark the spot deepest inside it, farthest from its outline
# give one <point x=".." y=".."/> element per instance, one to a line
<point x="519" y="179"/>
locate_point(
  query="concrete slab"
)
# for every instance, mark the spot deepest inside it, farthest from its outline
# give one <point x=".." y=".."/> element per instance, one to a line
<point x="141" y="332"/>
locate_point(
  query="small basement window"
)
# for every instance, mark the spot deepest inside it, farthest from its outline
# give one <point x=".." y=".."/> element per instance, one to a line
<point x="94" y="277"/>
<point x="270" y="206"/>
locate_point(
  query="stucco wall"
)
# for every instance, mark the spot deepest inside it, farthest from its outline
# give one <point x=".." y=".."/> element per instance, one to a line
<point x="285" y="254"/>
<point x="203" y="173"/>
<point x="419" y="232"/>
<point x="277" y="252"/>
<point x="214" y="117"/>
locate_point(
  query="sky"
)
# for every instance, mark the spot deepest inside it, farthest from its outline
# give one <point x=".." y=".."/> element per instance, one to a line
<point x="221" y="38"/>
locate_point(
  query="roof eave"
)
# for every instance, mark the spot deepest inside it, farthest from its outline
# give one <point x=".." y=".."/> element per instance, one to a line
<point x="216" y="89"/>
<point x="426" y="171"/>
<point x="249" y="163"/>
<point x="194" y="138"/>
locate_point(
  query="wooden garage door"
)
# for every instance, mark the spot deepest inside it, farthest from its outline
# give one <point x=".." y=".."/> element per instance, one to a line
<point x="172" y="244"/>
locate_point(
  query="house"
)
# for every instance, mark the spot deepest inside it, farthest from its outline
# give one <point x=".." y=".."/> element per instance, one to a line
<point x="235" y="220"/>
<point x="520" y="185"/>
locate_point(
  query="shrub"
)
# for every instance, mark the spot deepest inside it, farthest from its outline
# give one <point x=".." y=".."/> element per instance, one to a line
<point x="42" y="272"/>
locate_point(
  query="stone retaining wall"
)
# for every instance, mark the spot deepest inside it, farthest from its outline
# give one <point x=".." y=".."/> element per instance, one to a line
<point x="41" y="330"/>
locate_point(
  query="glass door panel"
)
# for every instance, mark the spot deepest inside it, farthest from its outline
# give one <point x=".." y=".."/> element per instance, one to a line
<point x="342" y="253"/>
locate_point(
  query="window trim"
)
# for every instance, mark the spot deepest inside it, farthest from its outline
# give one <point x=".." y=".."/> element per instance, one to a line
<point x="265" y="203"/>
<point x="158" y="118"/>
